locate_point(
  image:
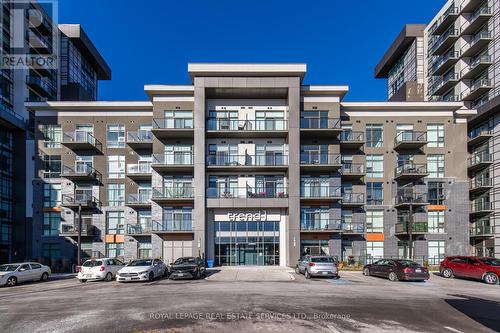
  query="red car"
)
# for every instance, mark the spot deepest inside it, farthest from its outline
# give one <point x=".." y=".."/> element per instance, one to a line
<point x="484" y="268"/>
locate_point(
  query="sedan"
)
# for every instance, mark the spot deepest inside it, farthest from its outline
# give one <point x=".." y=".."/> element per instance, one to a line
<point x="317" y="266"/>
<point x="11" y="274"/>
<point x="142" y="270"/>
<point x="397" y="269"/>
<point x="188" y="267"/>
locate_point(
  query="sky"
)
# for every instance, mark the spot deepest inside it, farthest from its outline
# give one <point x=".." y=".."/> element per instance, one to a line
<point x="151" y="42"/>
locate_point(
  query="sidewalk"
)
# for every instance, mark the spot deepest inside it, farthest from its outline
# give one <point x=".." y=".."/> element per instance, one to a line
<point x="251" y="273"/>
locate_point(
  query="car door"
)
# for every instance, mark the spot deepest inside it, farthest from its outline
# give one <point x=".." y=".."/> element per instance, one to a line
<point x="24" y="273"/>
<point x="111" y="266"/>
<point x="201" y="264"/>
<point x="473" y="268"/>
<point x="118" y="265"/>
<point x="375" y="269"/>
<point x="36" y="271"/>
<point x="458" y="266"/>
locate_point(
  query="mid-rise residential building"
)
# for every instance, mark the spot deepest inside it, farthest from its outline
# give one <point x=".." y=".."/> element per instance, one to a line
<point x="461" y="63"/>
<point x="248" y="166"/>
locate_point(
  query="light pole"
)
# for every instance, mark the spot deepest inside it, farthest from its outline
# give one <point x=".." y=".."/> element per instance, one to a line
<point x="410" y="231"/>
<point x="78" y="259"/>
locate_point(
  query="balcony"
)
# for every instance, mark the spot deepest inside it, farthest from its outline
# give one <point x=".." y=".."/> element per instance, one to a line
<point x="444" y="42"/>
<point x="173" y="226"/>
<point x="320" y="127"/>
<point x="164" y="128"/>
<point x="315" y="161"/>
<point x="325" y="224"/>
<point x="478" y="88"/>
<point x="417" y="228"/>
<point x="42" y="25"/>
<point x="71" y="230"/>
<point x="482" y="230"/>
<point x="140" y="140"/>
<point x="479" y="185"/>
<point x="139" y="171"/>
<point x="353" y="199"/>
<point x="476" y="67"/>
<point x="444" y="84"/>
<point x="479" y="160"/>
<point x="476" y="44"/>
<point x="410" y="140"/>
<point x="468" y="6"/>
<point x="176" y="162"/>
<point x="142" y="199"/>
<point x="41" y="86"/>
<point x="81" y="140"/>
<point x="352" y="140"/>
<point x="178" y="193"/>
<point x="351" y="171"/>
<point x="407" y="198"/>
<point x="247" y="196"/>
<point x="81" y="172"/>
<point x="444" y="62"/>
<point x="224" y="162"/>
<point x="320" y="192"/>
<point x="236" y="128"/>
<point x="448" y="98"/>
<point x="480" y="208"/>
<point x="477" y="20"/>
<point x="38" y="42"/>
<point x="448" y="17"/>
<point x="140" y="229"/>
<point x="85" y="200"/>
<point x="408" y="170"/>
<point x="479" y="136"/>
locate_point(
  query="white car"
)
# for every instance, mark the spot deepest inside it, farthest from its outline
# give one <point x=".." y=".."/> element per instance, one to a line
<point x="142" y="270"/>
<point x="99" y="269"/>
<point x="11" y="274"/>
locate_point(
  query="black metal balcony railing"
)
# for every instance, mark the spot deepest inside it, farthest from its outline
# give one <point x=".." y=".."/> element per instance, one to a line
<point x="174" y="159"/>
<point x="139" y="168"/>
<point x="228" y="124"/>
<point x="477" y="37"/>
<point x="328" y="224"/>
<point x="143" y="197"/>
<point x="247" y="192"/>
<point x="417" y="227"/>
<point x="352" y="136"/>
<point x="320" y="123"/>
<point x="438" y="42"/>
<point x="481" y="230"/>
<point x="479" y="132"/>
<point x="480" y="182"/>
<point x="444" y="59"/>
<point x="173" y="123"/>
<point x="477" y="88"/>
<point x="82" y="137"/>
<point x="309" y="191"/>
<point x="446" y="80"/>
<point x="350" y="168"/>
<point x="410" y="168"/>
<point x="481" y="157"/>
<point x="84" y="199"/>
<point x="81" y="169"/>
<point x="140" y="136"/>
<point x="172" y="225"/>
<point x="480" y="206"/>
<point x="247" y="160"/>
<point x="87" y="228"/>
<point x="173" y="192"/>
<point x="409" y="196"/>
<point x="139" y="228"/>
<point x="470" y="70"/>
<point x="353" y="198"/>
<point x="315" y="158"/>
<point x="410" y="136"/>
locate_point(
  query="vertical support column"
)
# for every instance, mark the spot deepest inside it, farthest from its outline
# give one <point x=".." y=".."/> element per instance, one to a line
<point x="293" y="232"/>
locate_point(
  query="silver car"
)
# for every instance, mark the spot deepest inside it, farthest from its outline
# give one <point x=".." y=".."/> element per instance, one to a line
<point x="11" y="274"/>
<point x="317" y="266"/>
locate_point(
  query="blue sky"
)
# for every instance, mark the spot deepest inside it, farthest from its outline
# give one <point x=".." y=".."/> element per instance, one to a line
<point x="151" y="42"/>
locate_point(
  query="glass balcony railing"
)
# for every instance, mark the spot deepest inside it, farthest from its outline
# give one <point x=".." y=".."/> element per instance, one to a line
<point x="81" y="170"/>
<point x="81" y="137"/>
<point x="140" y="228"/>
<point x="481" y="182"/>
<point x="229" y="124"/>
<point x="143" y="197"/>
<point x="352" y="168"/>
<point x="352" y="136"/>
<point x="315" y="158"/>
<point x="404" y="137"/>
<point x="172" y="225"/>
<point x="320" y="191"/>
<point x="480" y="158"/>
<point x="173" y="123"/>
<point x="482" y="227"/>
<point x="247" y="160"/>
<point x="439" y="42"/>
<point x="408" y="168"/>
<point x="247" y="192"/>
<point x="72" y="229"/>
<point x="478" y="206"/>
<point x="416" y="228"/>
<point x="139" y="168"/>
<point x="353" y="198"/>
<point x="173" y="192"/>
<point x="321" y="224"/>
<point x="446" y="81"/>
<point x="174" y="159"/>
<point x="141" y="136"/>
<point x="85" y="199"/>
<point x="409" y="196"/>
<point x="320" y="123"/>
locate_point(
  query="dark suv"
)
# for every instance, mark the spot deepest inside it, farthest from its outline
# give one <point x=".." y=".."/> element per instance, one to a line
<point x="188" y="267"/>
<point x="481" y="268"/>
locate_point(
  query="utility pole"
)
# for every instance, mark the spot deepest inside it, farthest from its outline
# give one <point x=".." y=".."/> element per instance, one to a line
<point x="78" y="259"/>
<point x="410" y="231"/>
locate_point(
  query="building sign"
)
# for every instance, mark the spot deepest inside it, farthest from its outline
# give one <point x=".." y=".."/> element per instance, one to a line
<point x="257" y="216"/>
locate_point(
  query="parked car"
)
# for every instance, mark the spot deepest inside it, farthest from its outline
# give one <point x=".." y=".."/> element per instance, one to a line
<point x="397" y="269"/>
<point x="188" y="267"/>
<point x="317" y="266"/>
<point x="481" y="268"/>
<point x="99" y="269"/>
<point x="142" y="270"/>
<point x="12" y="274"/>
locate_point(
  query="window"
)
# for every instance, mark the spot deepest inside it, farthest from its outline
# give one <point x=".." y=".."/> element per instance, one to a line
<point x="375" y="166"/>
<point x="51" y="223"/>
<point x="375" y="221"/>
<point x="436" y="252"/>
<point x="116" y="194"/>
<point x="435" y="165"/>
<point x="51" y="251"/>
<point x="52" y="136"/>
<point x="435" y="135"/>
<point x="374" y="193"/>
<point x="116" y="166"/>
<point x="115" y="223"/>
<point x="374" y="135"/>
<point x="436" y="222"/>
<point x="436" y="193"/>
<point x="114" y="250"/>
<point x="116" y="136"/>
<point x="51" y="166"/>
<point x="178" y="119"/>
<point x="51" y="195"/>
<point x="144" y="250"/>
<point x="374" y="251"/>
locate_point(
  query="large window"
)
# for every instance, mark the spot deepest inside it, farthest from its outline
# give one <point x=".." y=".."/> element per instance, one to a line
<point x="435" y="135"/>
<point x="435" y="165"/>
<point x="144" y="250"/>
<point x="52" y="136"/>
<point x="374" y="251"/>
<point x="436" y="252"/>
<point x="374" y="135"/>
<point x="374" y="193"/>
<point x="436" y="193"/>
<point x="116" y="194"/>
<point x="116" y="166"/>
<point x="51" y="223"/>
<point x="114" y="250"/>
<point x="374" y="221"/>
<point x="51" y="166"/>
<point x="116" y="136"/>
<point x="115" y="223"/>
<point x="51" y="195"/>
<point x="436" y="222"/>
<point x="375" y="166"/>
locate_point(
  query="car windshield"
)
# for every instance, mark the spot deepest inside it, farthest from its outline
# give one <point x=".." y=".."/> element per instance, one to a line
<point x="188" y="260"/>
<point x="491" y="261"/>
<point x="407" y="263"/>
<point x="322" y="259"/>
<point x="148" y="262"/>
<point x="8" y="268"/>
<point x="92" y="263"/>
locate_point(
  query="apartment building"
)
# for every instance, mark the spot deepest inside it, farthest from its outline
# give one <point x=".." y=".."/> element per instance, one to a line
<point x="73" y="76"/>
<point x="461" y="63"/>
<point x="248" y="166"/>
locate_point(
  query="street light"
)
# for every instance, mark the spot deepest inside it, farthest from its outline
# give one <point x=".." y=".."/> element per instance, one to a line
<point x="78" y="259"/>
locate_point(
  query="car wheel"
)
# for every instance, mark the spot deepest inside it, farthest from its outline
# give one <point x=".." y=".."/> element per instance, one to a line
<point x="151" y="276"/>
<point x="165" y="273"/>
<point x="447" y="273"/>
<point x="44" y="277"/>
<point x="393" y="277"/>
<point x="366" y="272"/>
<point x="297" y="270"/>
<point x="490" y="278"/>
<point x="108" y="277"/>
<point x="198" y="275"/>
<point x="83" y="280"/>
<point x="307" y="275"/>
<point x="12" y="281"/>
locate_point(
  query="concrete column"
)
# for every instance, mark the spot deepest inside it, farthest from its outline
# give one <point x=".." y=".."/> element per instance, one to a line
<point x="335" y="245"/>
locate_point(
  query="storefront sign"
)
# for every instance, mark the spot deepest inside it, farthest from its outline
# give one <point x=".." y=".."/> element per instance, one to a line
<point x="258" y="216"/>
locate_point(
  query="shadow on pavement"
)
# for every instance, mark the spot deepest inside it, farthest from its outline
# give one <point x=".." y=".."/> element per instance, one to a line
<point x="481" y="310"/>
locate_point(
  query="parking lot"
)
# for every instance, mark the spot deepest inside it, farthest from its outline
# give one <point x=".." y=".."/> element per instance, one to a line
<point x="253" y="299"/>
